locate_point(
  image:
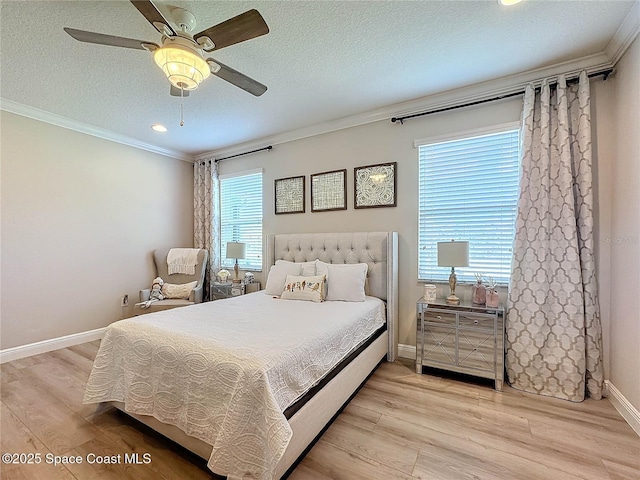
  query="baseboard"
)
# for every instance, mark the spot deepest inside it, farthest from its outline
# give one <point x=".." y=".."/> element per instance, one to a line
<point x="407" y="351"/>
<point x="624" y="407"/>
<point x="15" y="353"/>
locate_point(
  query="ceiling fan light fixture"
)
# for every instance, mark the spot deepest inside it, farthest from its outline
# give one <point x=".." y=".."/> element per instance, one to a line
<point x="183" y="67"/>
<point x="508" y="3"/>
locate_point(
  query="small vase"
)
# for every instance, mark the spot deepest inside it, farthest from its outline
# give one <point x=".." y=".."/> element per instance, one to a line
<point x="493" y="299"/>
<point x="479" y="293"/>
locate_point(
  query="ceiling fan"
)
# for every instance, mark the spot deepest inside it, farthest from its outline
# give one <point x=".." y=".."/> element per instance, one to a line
<point x="182" y="55"/>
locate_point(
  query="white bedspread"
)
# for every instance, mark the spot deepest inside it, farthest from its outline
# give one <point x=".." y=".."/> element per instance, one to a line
<point x="224" y="371"/>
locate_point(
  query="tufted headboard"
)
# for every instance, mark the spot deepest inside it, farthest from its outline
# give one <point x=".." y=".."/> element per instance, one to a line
<point x="379" y="250"/>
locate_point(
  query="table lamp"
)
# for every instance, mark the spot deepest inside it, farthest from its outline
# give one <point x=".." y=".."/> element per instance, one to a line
<point x="236" y="250"/>
<point x="453" y="254"/>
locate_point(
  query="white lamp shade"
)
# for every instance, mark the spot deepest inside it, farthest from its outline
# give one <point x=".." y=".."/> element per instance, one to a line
<point x="236" y="250"/>
<point x="183" y="68"/>
<point x="453" y="254"/>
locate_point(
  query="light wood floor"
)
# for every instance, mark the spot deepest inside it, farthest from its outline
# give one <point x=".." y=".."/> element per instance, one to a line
<point x="399" y="426"/>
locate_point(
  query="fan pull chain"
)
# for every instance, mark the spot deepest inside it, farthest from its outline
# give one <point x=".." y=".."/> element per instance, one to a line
<point x="182" y="107"/>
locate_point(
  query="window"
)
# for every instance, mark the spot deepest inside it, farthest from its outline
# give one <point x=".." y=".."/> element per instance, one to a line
<point x="241" y="217"/>
<point x="468" y="190"/>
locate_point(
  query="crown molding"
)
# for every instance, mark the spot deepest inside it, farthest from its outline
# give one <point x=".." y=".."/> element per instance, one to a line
<point x="64" y="122"/>
<point x="478" y="91"/>
<point x="625" y="35"/>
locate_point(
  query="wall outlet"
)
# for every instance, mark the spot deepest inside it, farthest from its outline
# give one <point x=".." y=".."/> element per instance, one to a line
<point x="124" y="301"/>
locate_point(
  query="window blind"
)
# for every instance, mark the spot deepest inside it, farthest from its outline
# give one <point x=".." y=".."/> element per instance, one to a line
<point x="468" y="190"/>
<point x="241" y="218"/>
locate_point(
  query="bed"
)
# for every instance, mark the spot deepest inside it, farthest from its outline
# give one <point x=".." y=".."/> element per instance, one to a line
<point x="219" y="378"/>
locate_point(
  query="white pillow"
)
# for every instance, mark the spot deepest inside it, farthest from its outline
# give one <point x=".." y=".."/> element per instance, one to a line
<point x="345" y="281"/>
<point x="308" y="269"/>
<point x="172" y="290"/>
<point x="321" y="268"/>
<point x="304" y="288"/>
<point x="278" y="275"/>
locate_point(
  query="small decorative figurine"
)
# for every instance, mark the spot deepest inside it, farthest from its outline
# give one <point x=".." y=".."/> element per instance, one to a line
<point x="479" y="291"/>
<point x="493" y="299"/>
<point x="156" y="289"/>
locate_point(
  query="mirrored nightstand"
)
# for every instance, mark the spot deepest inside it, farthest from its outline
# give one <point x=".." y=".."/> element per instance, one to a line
<point x="463" y="338"/>
<point x="227" y="290"/>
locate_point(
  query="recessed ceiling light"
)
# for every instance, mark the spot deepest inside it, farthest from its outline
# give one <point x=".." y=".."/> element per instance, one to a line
<point x="508" y="2"/>
<point x="159" y="128"/>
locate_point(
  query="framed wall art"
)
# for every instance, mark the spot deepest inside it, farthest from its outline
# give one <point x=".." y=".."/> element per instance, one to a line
<point x="289" y="195"/>
<point x="375" y="185"/>
<point x="329" y="191"/>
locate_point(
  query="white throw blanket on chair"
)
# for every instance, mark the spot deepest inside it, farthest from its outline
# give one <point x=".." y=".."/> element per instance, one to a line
<point x="182" y="260"/>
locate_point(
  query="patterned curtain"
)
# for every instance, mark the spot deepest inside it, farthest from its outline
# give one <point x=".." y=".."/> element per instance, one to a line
<point x="554" y="336"/>
<point x="206" y="214"/>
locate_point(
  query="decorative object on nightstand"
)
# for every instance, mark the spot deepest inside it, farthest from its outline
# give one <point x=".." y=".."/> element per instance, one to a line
<point x="430" y="293"/>
<point x="453" y="254"/>
<point x="478" y="291"/>
<point x="249" y="278"/>
<point x="463" y="338"/>
<point x="223" y="275"/>
<point x="236" y="250"/>
<point x="493" y="299"/>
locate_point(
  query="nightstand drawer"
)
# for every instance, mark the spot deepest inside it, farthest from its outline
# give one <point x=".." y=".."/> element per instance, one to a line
<point x="439" y="345"/>
<point x="440" y="318"/>
<point x="474" y="320"/>
<point x="476" y="350"/>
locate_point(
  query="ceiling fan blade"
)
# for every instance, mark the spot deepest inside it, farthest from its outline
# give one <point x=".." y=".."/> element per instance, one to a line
<point x="153" y="15"/>
<point x="101" y="39"/>
<point x="176" y="92"/>
<point x="245" y="26"/>
<point x="236" y="78"/>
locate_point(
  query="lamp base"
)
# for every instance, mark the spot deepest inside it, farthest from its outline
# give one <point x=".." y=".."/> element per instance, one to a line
<point x="453" y="300"/>
<point x="236" y="269"/>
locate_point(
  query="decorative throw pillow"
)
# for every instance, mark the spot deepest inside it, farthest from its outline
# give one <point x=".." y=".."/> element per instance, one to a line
<point x="345" y="281"/>
<point x="174" y="291"/>
<point x="304" y="288"/>
<point x="278" y="275"/>
<point x="307" y="269"/>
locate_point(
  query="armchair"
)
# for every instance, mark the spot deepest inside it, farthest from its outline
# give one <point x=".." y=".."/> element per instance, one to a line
<point x="196" y="295"/>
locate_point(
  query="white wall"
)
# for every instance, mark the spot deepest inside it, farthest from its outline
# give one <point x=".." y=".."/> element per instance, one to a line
<point x="80" y="217"/>
<point x="386" y="142"/>
<point x="365" y="145"/>
<point x="624" y="240"/>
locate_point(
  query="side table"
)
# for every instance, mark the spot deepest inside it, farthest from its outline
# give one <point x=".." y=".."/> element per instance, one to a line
<point x="463" y="338"/>
<point x="218" y="291"/>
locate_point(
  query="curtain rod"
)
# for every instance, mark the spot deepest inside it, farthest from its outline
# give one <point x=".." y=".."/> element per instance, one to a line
<point x="269" y="147"/>
<point x="604" y="73"/>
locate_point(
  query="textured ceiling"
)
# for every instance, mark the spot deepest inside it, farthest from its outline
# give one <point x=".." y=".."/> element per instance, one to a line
<point x="322" y="60"/>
